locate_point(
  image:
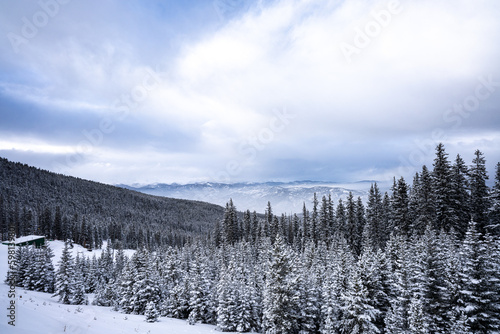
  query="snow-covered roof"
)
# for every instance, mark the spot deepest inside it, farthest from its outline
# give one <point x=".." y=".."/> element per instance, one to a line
<point x="28" y="238"/>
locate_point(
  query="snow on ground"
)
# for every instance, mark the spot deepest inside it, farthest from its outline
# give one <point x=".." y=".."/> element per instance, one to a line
<point x="38" y="312"/>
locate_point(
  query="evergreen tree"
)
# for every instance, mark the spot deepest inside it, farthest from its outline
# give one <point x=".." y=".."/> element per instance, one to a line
<point x="494" y="215"/>
<point x="396" y="320"/>
<point x="423" y="206"/>
<point x="313" y="228"/>
<point x="230" y="231"/>
<point x="340" y="265"/>
<point x="151" y="312"/>
<point x="426" y="280"/>
<point x="309" y="280"/>
<point x="358" y="314"/>
<point x="417" y="321"/>
<point x="200" y="302"/>
<point x="47" y="275"/>
<point x="442" y="192"/>
<point x="477" y="296"/>
<point x="400" y="207"/>
<point x="460" y="196"/>
<point x="373" y="231"/>
<point x="279" y="292"/>
<point x="65" y="272"/>
<point x="479" y="192"/>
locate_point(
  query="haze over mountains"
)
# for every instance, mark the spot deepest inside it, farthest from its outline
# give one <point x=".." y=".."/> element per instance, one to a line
<point x="285" y="197"/>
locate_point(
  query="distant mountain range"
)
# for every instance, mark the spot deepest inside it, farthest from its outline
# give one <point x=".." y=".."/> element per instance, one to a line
<point x="285" y="197"/>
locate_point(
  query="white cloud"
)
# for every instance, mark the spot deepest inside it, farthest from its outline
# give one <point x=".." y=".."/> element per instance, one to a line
<point x="224" y="87"/>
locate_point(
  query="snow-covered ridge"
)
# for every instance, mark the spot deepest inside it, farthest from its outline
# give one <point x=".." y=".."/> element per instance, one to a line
<point x="285" y="197"/>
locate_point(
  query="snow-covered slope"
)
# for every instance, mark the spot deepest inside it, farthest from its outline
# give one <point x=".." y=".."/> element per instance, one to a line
<point x="38" y="312"/>
<point x="284" y="197"/>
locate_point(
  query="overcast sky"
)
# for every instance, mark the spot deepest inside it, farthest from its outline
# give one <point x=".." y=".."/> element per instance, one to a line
<point x="130" y="91"/>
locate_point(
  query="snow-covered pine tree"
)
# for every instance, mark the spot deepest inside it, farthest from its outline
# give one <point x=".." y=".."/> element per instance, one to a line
<point x="47" y="275"/>
<point x="145" y="287"/>
<point x="105" y="294"/>
<point x="426" y="280"/>
<point x="226" y="307"/>
<point x="441" y="181"/>
<point x="309" y="290"/>
<point x="125" y="287"/>
<point x="229" y="228"/>
<point x="151" y="312"/>
<point x="358" y="313"/>
<point x="398" y="252"/>
<point x="65" y="272"/>
<point x="77" y="282"/>
<point x="200" y="286"/>
<point x="400" y="201"/>
<point x="479" y="192"/>
<point x="460" y="198"/>
<point x="279" y="293"/>
<point x="32" y="271"/>
<point x="371" y="267"/>
<point x="339" y="265"/>
<point x="477" y="294"/>
<point x="451" y="268"/>
<point x="373" y="230"/>
<point x="23" y="262"/>
<point x="417" y="321"/>
<point x="494" y="215"/>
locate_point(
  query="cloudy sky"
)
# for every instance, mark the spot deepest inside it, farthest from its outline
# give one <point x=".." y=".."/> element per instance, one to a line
<point x="131" y="91"/>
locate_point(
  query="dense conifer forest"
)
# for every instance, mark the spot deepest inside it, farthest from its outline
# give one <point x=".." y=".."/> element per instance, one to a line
<point x="422" y="258"/>
<point x="62" y="207"/>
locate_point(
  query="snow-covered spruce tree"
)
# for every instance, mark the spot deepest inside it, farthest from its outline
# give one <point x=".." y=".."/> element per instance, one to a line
<point x="371" y="266"/>
<point x="229" y="226"/>
<point x="374" y="230"/>
<point x="358" y="313"/>
<point x="309" y="289"/>
<point x="426" y="280"/>
<point x="145" y="285"/>
<point x="201" y="308"/>
<point x="494" y="215"/>
<point x="479" y="192"/>
<point x="398" y="252"/>
<point x="353" y="227"/>
<point x="421" y="202"/>
<point x="417" y="321"/>
<point x="477" y="294"/>
<point x="23" y="262"/>
<point x="125" y="288"/>
<point x="64" y="275"/>
<point x="441" y="181"/>
<point x="33" y="268"/>
<point x="460" y="199"/>
<point x="176" y="290"/>
<point x="279" y="293"/>
<point x="451" y="263"/>
<point x="77" y="284"/>
<point x="400" y="201"/>
<point x="340" y="264"/>
<point x="105" y="294"/>
<point x="47" y="275"/>
<point x="226" y="307"/>
<point x="151" y="312"/>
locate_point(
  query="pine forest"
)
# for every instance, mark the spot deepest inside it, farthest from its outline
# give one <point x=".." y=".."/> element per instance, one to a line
<point x="423" y="257"/>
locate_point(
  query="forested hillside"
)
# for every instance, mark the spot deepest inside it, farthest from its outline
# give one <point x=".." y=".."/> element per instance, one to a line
<point x="62" y="207"/>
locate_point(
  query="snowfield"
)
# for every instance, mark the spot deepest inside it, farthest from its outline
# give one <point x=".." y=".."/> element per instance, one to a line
<point x="38" y="312"/>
